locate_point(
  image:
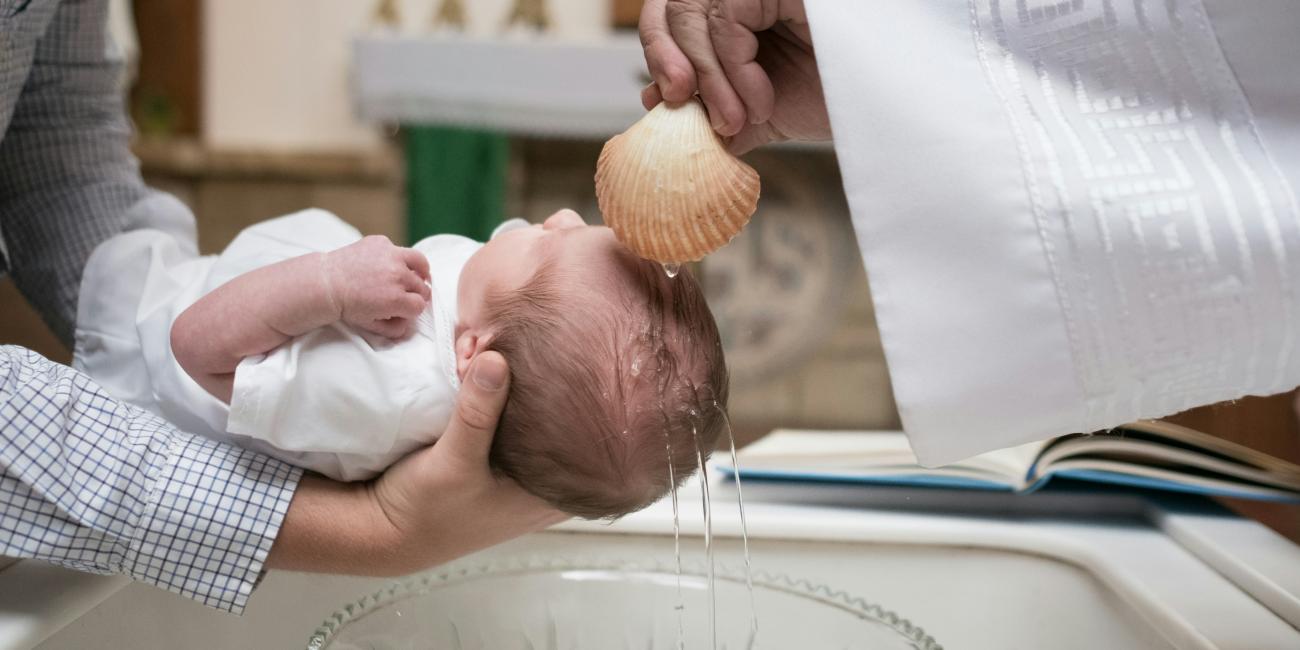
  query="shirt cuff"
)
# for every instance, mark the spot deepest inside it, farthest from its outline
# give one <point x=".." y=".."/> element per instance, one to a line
<point x="209" y="520"/>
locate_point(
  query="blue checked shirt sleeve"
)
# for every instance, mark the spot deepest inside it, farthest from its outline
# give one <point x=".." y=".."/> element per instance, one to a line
<point x="98" y="485"/>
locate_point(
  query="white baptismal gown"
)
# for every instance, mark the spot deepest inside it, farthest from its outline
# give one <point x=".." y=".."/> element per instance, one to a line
<point x="336" y="401"/>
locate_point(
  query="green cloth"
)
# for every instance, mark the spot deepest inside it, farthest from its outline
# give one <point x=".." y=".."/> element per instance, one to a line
<point x="455" y="181"/>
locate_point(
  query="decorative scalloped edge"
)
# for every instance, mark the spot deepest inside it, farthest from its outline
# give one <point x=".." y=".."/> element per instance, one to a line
<point x="412" y="586"/>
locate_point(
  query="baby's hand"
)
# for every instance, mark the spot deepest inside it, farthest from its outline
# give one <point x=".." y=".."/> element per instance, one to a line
<point x="377" y="286"/>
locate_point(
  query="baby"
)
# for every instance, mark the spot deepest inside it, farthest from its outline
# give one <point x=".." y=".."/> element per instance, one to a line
<point x="341" y="354"/>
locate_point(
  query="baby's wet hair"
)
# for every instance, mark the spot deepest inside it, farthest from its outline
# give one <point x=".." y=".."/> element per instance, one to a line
<point x="611" y="392"/>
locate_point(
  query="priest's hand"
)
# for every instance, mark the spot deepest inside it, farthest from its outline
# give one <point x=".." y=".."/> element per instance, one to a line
<point x="751" y="61"/>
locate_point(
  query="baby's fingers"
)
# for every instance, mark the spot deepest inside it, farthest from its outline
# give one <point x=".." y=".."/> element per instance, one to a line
<point x="410" y="305"/>
<point x="415" y="285"/>
<point x="393" y="328"/>
<point x="416" y="261"/>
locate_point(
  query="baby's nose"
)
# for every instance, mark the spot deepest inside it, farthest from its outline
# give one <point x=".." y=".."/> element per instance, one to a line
<point x="563" y="219"/>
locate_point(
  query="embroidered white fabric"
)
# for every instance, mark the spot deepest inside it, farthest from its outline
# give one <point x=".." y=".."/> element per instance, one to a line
<point x="1069" y="212"/>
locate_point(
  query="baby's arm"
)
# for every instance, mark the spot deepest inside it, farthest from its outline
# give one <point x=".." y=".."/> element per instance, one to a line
<point x="371" y="285"/>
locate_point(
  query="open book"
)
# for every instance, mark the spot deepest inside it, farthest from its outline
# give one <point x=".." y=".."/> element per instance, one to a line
<point x="1146" y="454"/>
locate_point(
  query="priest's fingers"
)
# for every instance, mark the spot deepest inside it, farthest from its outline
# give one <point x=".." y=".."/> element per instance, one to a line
<point x="752" y="137"/>
<point x="650" y="96"/>
<point x="731" y="27"/>
<point x="688" y="21"/>
<point x="671" y="70"/>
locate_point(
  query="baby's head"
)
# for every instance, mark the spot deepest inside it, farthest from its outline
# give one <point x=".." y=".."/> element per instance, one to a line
<point x="615" y="368"/>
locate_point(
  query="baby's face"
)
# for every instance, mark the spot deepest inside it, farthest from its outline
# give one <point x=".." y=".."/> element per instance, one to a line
<point x="510" y="259"/>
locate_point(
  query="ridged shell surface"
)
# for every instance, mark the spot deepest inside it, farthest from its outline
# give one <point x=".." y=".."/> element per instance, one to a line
<point x="669" y="188"/>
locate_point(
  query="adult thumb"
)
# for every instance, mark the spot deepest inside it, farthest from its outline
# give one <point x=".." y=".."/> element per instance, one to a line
<point x="478" y="409"/>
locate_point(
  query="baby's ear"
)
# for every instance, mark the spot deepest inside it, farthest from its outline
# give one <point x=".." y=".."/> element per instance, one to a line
<point x="468" y="345"/>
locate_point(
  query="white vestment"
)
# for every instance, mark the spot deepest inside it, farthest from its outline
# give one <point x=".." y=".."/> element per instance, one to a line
<point x="1073" y="213"/>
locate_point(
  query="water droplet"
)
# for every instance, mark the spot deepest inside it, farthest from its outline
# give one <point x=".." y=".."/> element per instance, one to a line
<point x="708" y="539"/>
<point x="744" y="529"/>
<point x="677" y="543"/>
<point x="672" y="269"/>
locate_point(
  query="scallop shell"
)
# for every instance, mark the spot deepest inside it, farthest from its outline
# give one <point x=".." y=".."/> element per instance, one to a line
<point x="670" y="189"/>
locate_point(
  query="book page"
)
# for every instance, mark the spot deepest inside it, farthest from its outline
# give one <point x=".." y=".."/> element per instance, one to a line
<point x="1083" y="452"/>
<point x="876" y="454"/>
<point x="1154" y="477"/>
<point x="1217" y="445"/>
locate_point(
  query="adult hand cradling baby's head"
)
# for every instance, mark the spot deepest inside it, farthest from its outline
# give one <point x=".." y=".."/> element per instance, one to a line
<point x="451" y="481"/>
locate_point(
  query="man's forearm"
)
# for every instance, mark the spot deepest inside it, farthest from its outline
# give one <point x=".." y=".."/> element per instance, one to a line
<point x="334" y="527"/>
<point x="250" y="315"/>
<point x="97" y="485"/>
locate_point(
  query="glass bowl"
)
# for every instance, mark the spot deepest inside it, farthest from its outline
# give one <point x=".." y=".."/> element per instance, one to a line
<point x="609" y="604"/>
